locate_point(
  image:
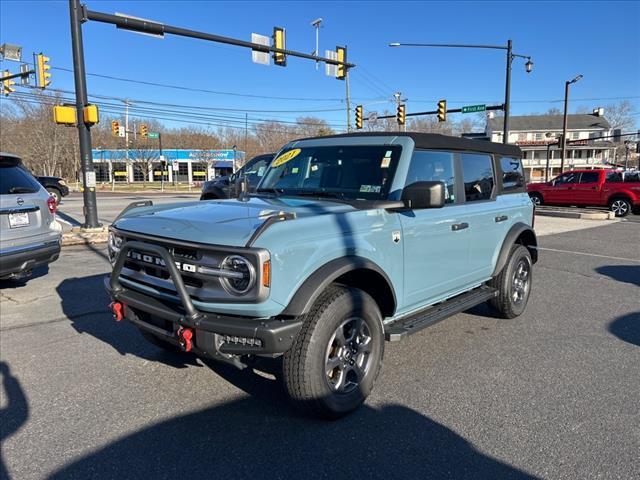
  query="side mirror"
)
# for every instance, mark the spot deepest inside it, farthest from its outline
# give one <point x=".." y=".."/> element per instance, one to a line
<point x="424" y="195"/>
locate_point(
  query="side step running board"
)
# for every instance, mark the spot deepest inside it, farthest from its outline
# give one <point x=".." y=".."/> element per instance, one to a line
<point x="405" y="326"/>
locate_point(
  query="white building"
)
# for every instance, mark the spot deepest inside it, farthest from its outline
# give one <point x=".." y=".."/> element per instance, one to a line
<point x="537" y="136"/>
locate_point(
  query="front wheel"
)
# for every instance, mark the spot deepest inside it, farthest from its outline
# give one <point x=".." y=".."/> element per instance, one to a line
<point x="334" y="361"/>
<point x="620" y="207"/>
<point x="513" y="283"/>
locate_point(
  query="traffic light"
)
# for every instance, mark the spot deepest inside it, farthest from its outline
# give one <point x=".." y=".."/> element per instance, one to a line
<point x="42" y="71"/>
<point x="359" y="117"/>
<point x="401" y="114"/>
<point x="279" y="41"/>
<point x="115" y="128"/>
<point x="442" y="111"/>
<point x="144" y="131"/>
<point x="341" y="72"/>
<point x="6" y="84"/>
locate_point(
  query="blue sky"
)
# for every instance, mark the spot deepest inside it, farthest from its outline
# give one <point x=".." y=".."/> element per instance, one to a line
<point x="599" y="40"/>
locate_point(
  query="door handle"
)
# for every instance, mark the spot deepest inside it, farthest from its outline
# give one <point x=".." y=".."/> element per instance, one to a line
<point x="459" y="226"/>
<point x="594" y="188"/>
<point x="570" y="188"/>
<point x="501" y="218"/>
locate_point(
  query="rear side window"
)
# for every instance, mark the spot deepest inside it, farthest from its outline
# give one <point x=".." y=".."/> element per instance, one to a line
<point x="512" y="175"/>
<point x="14" y="180"/>
<point x="477" y="173"/>
<point x="590" y="177"/>
<point x="433" y="166"/>
<point x="613" y="177"/>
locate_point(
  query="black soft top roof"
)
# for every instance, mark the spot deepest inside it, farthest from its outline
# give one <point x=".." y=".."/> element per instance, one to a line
<point x="437" y="141"/>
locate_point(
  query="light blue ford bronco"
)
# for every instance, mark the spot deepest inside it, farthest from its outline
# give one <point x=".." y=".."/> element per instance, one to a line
<point x="349" y="240"/>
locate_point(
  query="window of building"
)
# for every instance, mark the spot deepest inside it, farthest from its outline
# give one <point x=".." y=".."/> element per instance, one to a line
<point x="538" y="137"/>
<point x="477" y="174"/>
<point x="199" y="171"/>
<point x="575" y="135"/>
<point x="119" y="171"/>
<point x="183" y="172"/>
<point x="102" y="171"/>
<point x="512" y="175"/>
<point x="430" y="165"/>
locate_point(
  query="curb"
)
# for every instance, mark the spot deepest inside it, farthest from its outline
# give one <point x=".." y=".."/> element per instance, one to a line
<point x="78" y="236"/>
<point x="588" y="215"/>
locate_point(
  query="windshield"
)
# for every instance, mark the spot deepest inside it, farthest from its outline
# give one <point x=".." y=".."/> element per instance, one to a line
<point x="348" y="172"/>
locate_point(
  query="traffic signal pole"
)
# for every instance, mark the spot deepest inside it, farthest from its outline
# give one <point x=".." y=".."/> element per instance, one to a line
<point x="86" y="161"/>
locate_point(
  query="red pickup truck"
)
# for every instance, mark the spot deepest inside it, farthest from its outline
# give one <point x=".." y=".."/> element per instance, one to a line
<point x="593" y="188"/>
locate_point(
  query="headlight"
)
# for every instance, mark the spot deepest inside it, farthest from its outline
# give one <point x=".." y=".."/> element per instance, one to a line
<point x="115" y="242"/>
<point x="241" y="275"/>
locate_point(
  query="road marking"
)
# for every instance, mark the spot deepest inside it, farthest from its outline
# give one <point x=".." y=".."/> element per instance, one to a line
<point x="589" y="254"/>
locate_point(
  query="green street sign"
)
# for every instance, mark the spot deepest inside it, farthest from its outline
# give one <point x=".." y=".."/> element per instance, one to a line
<point x="470" y="109"/>
<point x="153" y="134"/>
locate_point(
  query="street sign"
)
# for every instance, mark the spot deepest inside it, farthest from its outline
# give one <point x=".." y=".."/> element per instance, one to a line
<point x="373" y="117"/>
<point x="262" y="58"/>
<point x="152" y="135"/>
<point x="330" y="69"/>
<point x="121" y="132"/>
<point x="474" y="108"/>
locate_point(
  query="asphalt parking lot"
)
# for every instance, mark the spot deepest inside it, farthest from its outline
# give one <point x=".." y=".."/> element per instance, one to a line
<point x="552" y="394"/>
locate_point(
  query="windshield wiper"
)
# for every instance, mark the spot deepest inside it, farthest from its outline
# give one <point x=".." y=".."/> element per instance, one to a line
<point x="320" y="193"/>
<point x="276" y="191"/>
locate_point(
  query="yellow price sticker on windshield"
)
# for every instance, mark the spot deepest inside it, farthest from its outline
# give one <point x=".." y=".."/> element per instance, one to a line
<point x="285" y="157"/>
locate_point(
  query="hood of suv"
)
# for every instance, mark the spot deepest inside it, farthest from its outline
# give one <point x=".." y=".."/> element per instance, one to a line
<point x="219" y="222"/>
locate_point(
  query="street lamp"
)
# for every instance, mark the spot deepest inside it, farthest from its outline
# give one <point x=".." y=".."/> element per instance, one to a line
<point x="510" y="56"/>
<point x="563" y="147"/>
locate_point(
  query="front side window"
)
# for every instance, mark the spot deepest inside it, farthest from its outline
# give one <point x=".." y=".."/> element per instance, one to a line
<point x="256" y="170"/>
<point x="590" y="177"/>
<point x="350" y="172"/>
<point x="433" y="166"/>
<point x="569" y="177"/>
<point x="477" y="173"/>
<point x="512" y="176"/>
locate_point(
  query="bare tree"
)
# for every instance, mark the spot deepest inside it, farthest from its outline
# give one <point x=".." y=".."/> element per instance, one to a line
<point x="142" y="159"/>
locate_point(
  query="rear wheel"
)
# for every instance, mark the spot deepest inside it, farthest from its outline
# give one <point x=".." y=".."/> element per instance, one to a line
<point x="334" y="362"/>
<point x="536" y="198"/>
<point x="513" y="283"/>
<point x="620" y="207"/>
<point x="55" y="193"/>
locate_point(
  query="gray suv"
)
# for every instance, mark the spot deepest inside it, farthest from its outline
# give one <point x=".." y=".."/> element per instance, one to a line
<point x="29" y="233"/>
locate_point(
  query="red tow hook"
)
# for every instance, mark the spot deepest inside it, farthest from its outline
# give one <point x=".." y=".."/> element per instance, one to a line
<point x="184" y="338"/>
<point x="117" y="308"/>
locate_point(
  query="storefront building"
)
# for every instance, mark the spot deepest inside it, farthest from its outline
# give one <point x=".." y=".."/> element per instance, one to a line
<point x="187" y="166"/>
<point x="537" y="136"/>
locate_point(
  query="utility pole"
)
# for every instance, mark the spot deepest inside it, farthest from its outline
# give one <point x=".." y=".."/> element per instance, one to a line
<point x="346" y="81"/>
<point x="246" y="131"/>
<point x="126" y="130"/>
<point x="84" y="133"/>
<point x="507" y="93"/>
<point x="563" y="142"/>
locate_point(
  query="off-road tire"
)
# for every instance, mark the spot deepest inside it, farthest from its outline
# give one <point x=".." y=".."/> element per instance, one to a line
<point x="620" y="206"/>
<point x="304" y="365"/>
<point x="504" y="303"/>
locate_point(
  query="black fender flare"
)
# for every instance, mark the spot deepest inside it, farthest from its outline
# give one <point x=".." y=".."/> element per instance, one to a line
<point x="214" y="194"/>
<point x="315" y="284"/>
<point x="516" y="230"/>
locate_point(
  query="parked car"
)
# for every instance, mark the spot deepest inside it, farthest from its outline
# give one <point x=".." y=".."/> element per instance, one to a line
<point x="29" y="233"/>
<point x="349" y="240"/>
<point x="230" y="186"/>
<point x="56" y="187"/>
<point x="589" y="188"/>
